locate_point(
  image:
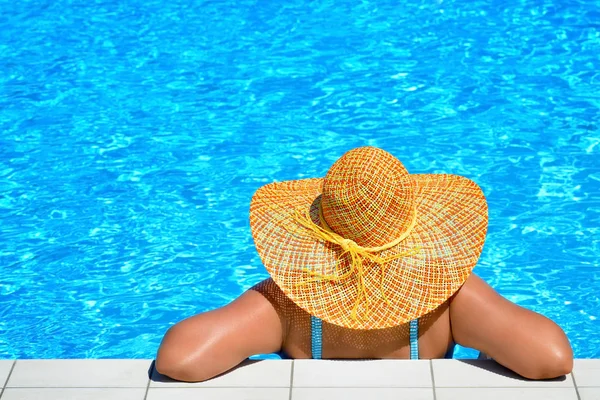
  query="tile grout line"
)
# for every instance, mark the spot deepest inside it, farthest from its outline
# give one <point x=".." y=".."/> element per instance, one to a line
<point x="575" y="384"/>
<point x="291" y="380"/>
<point x="12" y="367"/>
<point x="432" y="379"/>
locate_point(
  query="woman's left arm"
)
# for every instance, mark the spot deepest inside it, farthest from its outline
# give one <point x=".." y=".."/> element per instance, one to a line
<point x="526" y="342"/>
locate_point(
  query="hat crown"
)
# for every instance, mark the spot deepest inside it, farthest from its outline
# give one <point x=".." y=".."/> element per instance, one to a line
<point x="368" y="197"/>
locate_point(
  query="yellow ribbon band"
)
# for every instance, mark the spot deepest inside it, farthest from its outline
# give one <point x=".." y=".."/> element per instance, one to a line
<point x="357" y="255"/>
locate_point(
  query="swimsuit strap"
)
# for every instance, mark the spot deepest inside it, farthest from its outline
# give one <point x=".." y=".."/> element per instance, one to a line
<point x="414" y="339"/>
<point x="316" y="334"/>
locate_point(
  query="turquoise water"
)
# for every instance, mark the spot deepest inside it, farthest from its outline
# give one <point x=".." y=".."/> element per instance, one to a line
<point x="133" y="135"/>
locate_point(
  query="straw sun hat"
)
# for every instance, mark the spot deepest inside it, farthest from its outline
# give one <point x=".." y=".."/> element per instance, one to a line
<point x="369" y="246"/>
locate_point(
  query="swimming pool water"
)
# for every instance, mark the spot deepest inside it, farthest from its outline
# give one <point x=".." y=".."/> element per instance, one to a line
<point x="133" y="135"/>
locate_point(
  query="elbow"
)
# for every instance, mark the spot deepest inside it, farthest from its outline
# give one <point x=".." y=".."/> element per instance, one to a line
<point x="176" y="372"/>
<point x="168" y="361"/>
<point x="167" y="366"/>
<point x="187" y="356"/>
<point x="553" y="356"/>
<point x="175" y="361"/>
<point x="549" y="371"/>
<point x="177" y="369"/>
<point x="558" y="363"/>
<point x="559" y="367"/>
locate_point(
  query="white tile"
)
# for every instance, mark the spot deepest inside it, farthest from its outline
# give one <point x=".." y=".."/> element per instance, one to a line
<point x="74" y="394"/>
<point x="362" y="393"/>
<point x="484" y="373"/>
<point x="80" y="373"/>
<point x="506" y="393"/>
<point x="587" y="393"/>
<point x="5" y="366"/>
<point x="362" y="373"/>
<point x="196" y="393"/>
<point x="587" y="373"/>
<point x="263" y="373"/>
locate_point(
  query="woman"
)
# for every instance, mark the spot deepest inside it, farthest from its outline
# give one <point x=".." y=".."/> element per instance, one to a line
<point x="368" y="262"/>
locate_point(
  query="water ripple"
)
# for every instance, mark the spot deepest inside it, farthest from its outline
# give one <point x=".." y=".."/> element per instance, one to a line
<point x="133" y="135"/>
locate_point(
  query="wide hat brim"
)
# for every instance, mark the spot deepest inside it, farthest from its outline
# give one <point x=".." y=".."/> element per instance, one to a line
<point x="449" y="232"/>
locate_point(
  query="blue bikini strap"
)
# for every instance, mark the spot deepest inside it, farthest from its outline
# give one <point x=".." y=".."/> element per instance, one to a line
<point x="316" y="333"/>
<point x="414" y="339"/>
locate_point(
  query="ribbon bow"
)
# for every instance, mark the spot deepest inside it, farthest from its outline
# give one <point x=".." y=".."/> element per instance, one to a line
<point x="357" y="255"/>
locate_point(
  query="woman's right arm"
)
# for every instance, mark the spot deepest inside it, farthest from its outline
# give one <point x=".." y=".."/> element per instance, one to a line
<point x="208" y="344"/>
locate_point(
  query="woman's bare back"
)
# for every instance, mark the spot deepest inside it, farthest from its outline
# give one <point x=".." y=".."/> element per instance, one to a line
<point x="435" y="337"/>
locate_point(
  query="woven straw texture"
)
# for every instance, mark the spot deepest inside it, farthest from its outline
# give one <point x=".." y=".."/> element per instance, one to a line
<point x="368" y="197"/>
